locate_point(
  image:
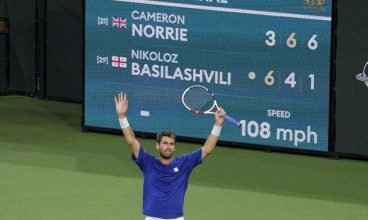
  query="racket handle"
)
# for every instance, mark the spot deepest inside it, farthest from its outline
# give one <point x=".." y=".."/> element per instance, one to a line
<point x="232" y="121"/>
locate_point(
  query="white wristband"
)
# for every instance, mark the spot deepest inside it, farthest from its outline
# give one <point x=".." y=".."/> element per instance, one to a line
<point x="123" y="122"/>
<point x="216" y="130"/>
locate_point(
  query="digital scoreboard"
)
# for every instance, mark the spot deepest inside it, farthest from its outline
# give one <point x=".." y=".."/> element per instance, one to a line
<point x="266" y="61"/>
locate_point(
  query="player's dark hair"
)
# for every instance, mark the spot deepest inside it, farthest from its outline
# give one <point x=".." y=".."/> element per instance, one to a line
<point x="166" y="133"/>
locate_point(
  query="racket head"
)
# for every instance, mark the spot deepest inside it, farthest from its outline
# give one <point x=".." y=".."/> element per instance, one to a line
<point x="198" y="99"/>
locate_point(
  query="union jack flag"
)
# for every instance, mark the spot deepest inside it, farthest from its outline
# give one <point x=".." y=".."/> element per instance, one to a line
<point x="119" y="22"/>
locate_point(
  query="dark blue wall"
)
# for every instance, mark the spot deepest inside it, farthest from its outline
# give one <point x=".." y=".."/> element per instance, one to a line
<point x="351" y="94"/>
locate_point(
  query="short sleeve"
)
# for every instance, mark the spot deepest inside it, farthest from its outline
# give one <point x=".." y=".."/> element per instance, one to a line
<point x="142" y="158"/>
<point x="194" y="158"/>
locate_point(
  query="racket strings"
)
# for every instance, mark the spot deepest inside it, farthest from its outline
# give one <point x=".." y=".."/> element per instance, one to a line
<point x="198" y="99"/>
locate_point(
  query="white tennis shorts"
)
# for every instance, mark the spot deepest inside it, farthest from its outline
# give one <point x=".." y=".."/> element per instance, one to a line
<point x="153" y="218"/>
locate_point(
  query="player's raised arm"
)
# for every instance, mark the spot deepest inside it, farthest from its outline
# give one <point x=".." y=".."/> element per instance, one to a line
<point x="211" y="141"/>
<point x="121" y="105"/>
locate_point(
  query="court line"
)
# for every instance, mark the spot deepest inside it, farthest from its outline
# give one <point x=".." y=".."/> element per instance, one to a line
<point x="230" y="10"/>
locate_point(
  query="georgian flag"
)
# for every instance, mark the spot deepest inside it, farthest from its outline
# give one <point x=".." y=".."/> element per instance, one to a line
<point x="119" y="62"/>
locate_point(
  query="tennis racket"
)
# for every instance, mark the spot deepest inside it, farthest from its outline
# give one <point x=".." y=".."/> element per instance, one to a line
<point x="199" y="100"/>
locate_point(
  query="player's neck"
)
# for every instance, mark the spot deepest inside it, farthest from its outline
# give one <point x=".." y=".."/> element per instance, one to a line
<point x="165" y="161"/>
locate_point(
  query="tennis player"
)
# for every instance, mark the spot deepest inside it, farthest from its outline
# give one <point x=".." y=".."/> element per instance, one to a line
<point x="165" y="177"/>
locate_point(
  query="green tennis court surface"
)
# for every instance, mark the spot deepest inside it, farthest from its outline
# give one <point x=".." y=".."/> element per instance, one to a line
<point x="49" y="169"/>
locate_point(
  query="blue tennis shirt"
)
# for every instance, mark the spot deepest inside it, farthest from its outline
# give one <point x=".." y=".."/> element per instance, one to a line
<point x="164" y="186"/>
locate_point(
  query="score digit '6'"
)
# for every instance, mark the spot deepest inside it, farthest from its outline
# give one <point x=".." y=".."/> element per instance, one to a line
<point x="291" y="41"/>
<point x="312" y="43"/>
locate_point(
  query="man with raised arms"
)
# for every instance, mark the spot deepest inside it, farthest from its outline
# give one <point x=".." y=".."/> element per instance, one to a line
<point x="165" y="177"/>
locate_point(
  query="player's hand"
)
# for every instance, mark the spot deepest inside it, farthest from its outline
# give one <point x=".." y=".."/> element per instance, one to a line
<point x="121" y="104"/>
<point x="219" y="117"/>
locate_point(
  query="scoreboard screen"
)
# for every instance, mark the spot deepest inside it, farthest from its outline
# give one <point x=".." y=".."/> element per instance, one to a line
<point x="266" y="61"/>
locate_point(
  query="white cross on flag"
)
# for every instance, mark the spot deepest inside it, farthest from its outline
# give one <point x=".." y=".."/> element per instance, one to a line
<point x="119" y="62"/>
<point x="119" y="22"/>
